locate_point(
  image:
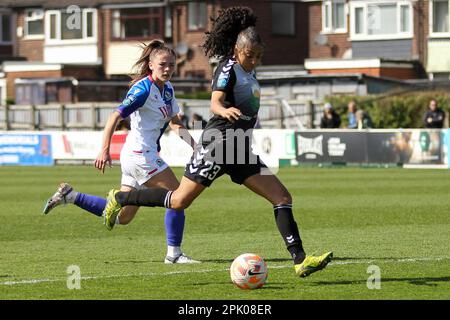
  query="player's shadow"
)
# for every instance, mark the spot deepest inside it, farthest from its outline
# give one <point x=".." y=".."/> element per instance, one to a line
<point x="424" y="281"/>
<point x="346" y="258"/>
<point x="131" y="261"/>
<point x="231" y="260"/>
<point x="360" y="258"/>
<point x="267" y="286"/>
<point x="278" y="259"/>
<point x="268" y="260"/>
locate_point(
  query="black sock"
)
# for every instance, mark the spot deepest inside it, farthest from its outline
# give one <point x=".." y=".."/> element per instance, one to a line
<point x="289" y="231"/>
<point x="151" y="197"/>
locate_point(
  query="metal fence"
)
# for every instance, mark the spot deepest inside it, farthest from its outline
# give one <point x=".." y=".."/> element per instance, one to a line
<point x="274" y="113"/>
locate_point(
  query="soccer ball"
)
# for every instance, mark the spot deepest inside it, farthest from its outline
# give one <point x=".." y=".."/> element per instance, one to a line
<point x="248" y="271"/>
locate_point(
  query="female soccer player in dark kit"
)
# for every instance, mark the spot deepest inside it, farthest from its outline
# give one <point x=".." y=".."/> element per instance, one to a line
<point x="225" y="144"/>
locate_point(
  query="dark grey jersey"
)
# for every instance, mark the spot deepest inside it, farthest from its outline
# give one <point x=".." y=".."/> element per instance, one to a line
<point x="242" y="92"/>
<point x="224" y="147"/>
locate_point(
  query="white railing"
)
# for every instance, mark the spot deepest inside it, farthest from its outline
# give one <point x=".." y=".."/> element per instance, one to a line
<point x="274" y="112"/>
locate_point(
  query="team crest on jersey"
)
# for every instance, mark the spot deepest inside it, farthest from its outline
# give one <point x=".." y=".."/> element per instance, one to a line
<point x="254" y="101"/>
<point x="168" y="95"/>
<point x="159" y="162"/>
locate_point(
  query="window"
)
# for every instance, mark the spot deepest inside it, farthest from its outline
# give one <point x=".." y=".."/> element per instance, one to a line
<point x="196" y="16"/>
<point x="441" y="76"/>
<point x="53" y="26"/>
<point x="439" y="13"/>
<point x="68" y="31"/>
<point x="137" y="23"/>
<point x="379" y="21"/>
<point x="334" y="19"/>
<point x="34" y="23"/>
<point x="404" y="18"/>
<point x="283" y="19"/>
<point x="71" y="26"/>
<point x="89" y="22"/>
<point x="168" y="22"/>
<point x="359" y="20"/>
<point x="5" y="28"/>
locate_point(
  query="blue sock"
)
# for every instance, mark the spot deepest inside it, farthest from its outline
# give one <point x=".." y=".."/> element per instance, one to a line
<point x="174" y="222"/>
<point x="93" y="204"/>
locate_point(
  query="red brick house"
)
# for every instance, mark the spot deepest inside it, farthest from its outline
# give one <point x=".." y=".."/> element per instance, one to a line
<point x="100" y="39"/>
<point x="282" y="25"/>
<point x="398" y="39"/>
<point x="360" y="36"/>
<point x="106" y="35"/>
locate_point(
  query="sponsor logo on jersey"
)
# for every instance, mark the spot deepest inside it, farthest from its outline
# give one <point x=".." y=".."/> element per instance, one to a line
<point x="222" y="82"/>
<point x="129" y="100"/>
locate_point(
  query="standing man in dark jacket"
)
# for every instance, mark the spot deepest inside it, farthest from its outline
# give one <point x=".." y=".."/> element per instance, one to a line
<point x="434" y="117"/>
<point x="330" y="118"/>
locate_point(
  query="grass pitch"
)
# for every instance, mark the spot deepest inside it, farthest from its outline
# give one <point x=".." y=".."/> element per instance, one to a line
<point x="397" y="220"/>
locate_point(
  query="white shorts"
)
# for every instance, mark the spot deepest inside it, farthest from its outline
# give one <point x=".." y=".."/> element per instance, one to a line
<point x="140" y="166"/>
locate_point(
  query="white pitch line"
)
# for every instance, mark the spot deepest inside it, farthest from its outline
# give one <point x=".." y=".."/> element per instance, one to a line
<point x="35" y="281"/>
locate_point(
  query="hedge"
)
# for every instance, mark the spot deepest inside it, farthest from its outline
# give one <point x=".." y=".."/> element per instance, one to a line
<point x="393" y="111"/>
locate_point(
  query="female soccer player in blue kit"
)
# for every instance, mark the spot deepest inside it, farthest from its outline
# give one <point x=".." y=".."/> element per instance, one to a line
<point x="235" y="104"/>
<point x="151" y="105"/>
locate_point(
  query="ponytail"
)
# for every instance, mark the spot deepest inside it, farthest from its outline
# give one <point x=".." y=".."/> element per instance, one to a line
<point x="149" y="51"/>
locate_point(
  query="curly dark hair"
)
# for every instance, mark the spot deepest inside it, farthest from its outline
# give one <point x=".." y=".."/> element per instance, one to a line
<point x="220" y="41"/>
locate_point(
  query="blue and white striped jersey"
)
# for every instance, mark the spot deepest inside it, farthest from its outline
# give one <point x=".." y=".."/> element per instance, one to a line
<point x="150" y="111"/>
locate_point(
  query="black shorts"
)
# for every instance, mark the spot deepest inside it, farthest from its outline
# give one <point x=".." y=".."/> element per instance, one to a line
<point x="205" y="166"/>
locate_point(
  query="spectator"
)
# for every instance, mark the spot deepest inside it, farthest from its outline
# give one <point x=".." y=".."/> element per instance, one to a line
<point x="330" y="118"/>
<point x="196" y="121"/>
<point x="363" y="120"/>
<point x="351" y="115"/>
<point x="434" y="117"/>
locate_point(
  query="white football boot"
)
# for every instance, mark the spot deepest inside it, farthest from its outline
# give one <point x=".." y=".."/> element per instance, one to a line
<point x="58" y="198"/>
<point x="182" y="258"/>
